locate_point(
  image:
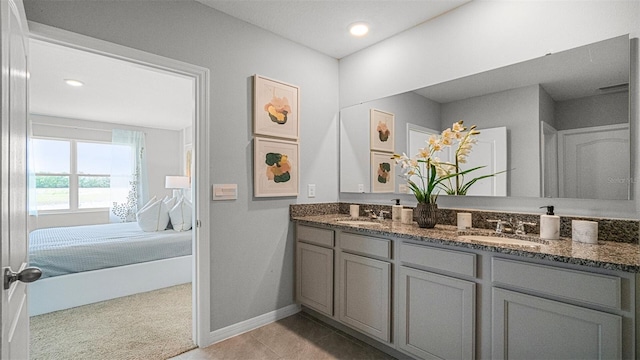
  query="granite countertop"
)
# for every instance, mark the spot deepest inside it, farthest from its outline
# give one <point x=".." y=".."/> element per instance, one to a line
<point x="606" y="254"/>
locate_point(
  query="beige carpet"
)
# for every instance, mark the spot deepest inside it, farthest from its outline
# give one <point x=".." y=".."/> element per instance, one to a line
<point x="152" y="325"/>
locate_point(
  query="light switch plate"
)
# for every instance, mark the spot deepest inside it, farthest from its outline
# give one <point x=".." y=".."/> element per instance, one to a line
<point x="224" y="192"/>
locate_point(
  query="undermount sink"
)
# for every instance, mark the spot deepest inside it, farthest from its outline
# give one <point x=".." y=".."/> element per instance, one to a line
<point x="499" y="240"/>
<point x="358" y="222"/>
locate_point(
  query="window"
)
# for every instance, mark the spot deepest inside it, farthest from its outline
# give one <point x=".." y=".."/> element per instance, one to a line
<point x="76" y="175"/>
<point x="52" y="165"/>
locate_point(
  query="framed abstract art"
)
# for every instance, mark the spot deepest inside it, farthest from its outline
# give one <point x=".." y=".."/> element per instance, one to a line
<point x="381" y="130"/>
<point x="276" y="167"/>
<point x="382" y="172"/>
<point x="276" y="108"/>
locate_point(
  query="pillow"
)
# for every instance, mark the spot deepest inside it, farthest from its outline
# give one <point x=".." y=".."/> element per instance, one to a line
<point x="153" y="199"/>
<point x="181" y="216"/>
<point x="170" y="202"/>
<point x="154" y="217"/>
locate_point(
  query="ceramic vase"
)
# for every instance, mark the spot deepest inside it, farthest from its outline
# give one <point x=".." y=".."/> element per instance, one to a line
<point x="426" y="215"/>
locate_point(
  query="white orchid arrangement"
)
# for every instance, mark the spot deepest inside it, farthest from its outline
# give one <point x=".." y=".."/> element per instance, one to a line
<point x="435" y="174"/>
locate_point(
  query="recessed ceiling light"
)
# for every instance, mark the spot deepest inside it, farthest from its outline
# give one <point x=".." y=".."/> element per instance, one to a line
<point x="359" y="29"/>
<point x="72" y="82"/>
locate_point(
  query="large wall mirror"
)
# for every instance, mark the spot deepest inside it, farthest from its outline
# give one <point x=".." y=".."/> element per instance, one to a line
<point x="566" y="117"/>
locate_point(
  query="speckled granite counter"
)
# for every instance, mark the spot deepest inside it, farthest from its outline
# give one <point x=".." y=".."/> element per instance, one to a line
<point x="608" y="255"/>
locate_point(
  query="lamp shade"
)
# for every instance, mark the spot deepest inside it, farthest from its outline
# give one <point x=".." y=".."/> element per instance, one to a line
<point x="176" y="182"/>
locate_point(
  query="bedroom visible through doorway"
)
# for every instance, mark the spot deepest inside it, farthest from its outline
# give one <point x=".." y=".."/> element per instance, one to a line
<point x="109" y="224"/>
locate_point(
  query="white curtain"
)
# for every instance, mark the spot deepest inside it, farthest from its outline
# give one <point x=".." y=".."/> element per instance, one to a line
<point x="129" y="184"/>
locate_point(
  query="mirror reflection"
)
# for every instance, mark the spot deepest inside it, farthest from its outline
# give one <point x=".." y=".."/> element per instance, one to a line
<point x="565" y="119"/>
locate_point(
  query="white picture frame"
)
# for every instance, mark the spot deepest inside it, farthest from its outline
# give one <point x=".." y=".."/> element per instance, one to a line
<point x="381" y="130"/>
<point x="383" y="172"/>
<point x="272" y="176"/>
<point x="276" y="108"/>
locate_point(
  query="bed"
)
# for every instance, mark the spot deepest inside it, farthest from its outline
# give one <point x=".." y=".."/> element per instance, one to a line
<point x="87" y="264"/>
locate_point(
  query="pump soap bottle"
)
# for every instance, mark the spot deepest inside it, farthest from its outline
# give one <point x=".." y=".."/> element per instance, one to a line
<point x="549" y="225"/>
<point x="396" y="210"/>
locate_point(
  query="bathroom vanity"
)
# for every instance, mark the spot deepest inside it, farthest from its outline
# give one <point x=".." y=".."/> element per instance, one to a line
<point x="431" y="293"/>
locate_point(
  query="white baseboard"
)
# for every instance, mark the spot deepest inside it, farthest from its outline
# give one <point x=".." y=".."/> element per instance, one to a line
<point x="254" y="323"/>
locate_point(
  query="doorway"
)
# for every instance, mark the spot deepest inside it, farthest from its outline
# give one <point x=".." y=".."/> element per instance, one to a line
<point x="198" y="135"/>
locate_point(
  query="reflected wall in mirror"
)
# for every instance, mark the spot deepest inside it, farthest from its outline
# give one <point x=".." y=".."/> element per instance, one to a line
<point x="566" y="117"/>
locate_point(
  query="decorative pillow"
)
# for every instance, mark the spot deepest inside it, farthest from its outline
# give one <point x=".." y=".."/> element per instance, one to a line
<point x="181" y="216"/>
<point x="154" y="217"/>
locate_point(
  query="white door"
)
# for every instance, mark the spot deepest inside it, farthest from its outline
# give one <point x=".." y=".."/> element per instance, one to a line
<point x="13" y="180"/>
<point x="594" y="163"/>
<point x="549" y="146"/>
<point x="491" y="152"/>
<point x="417" y="137"/>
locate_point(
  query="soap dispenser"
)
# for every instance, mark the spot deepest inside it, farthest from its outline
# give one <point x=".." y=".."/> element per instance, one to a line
<point x="396" y="210"/>
<point x="549" y="224"/>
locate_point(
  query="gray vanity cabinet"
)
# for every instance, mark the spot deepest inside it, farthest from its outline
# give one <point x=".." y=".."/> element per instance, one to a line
<point x="431" y="301"/>
<point x="531" y="327"/>
<point x="543" y="312"/>
<point x="365" y="285"/>
<point x="436" y="313"/>
<point x="314" y="268"/>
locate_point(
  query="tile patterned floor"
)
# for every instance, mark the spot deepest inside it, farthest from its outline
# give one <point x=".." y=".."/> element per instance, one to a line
<point x="296" y="337"/>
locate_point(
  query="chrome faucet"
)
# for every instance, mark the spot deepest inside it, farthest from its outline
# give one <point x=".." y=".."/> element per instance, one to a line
<point x="500" y="226"/>
<point x="372" y="214"/>
<point x="520" y="230"/>
<point x="507" y="226"/>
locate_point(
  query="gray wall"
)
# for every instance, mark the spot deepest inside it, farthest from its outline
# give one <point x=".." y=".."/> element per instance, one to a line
<point x="547" y="108"/>
<point x="477" y="37"/>
<point x="591" y="111"/>
<point x="518" y="110"/>
<point x="354" y="133"/>
<point x="460" y="43"/>
<point x="252" y="239"/>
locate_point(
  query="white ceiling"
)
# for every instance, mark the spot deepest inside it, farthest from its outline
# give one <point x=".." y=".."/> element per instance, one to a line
<point x="323" y="24"/>
<point x="114" y="91"/>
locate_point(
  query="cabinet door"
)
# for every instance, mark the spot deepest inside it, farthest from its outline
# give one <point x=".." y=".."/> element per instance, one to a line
<point x="529" y="327"/>
<point x="436" y="315"/>
<point x="365" y="295"/>
<point x="314" y="277"/>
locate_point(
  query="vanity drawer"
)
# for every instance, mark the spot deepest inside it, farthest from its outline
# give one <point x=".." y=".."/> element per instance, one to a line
<point x="313" y="235"/>
<point x="450" y="261"/>
<point x="366" y="245"/>
<point x="572" y="285"/>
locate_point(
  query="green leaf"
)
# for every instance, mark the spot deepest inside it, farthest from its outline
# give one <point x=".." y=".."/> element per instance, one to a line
<point x="463" y="190"/>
